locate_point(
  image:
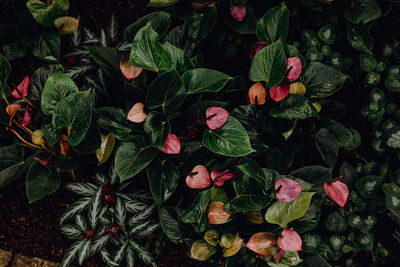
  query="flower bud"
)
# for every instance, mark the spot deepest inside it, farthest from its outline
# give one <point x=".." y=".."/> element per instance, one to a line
<point x="37" y="138"/>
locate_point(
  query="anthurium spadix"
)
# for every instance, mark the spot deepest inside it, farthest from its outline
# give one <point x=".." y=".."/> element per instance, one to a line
<point x="337" y="191"/>
<point x="287" y="190"/>
<point x="22" y="89"/>
<point x="217" y="214"/>
<point x="263" y="243"/>
<point x="128" y="70"/>
<point x="289" y="241"/>
<point x="238" y="12"/>
<point x="219" y="178"/>
<point x="216" y="117"/>
<point x="257" y="94"/>
<point x="137" y="114"/>
<point x="198" y="178"/>
<point x="172" y="145"/>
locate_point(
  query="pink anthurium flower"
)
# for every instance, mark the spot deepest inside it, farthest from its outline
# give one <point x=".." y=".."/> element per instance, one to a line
<point x="11" y="111"/>
<point x="128" y="70"/>
<point x="27" y="117"/>
<point x="217" y="214"/>
<point x="220" y="177"/>
<point x="172" y="145"/>
<point x="290" y="241"/>
<point x="137" y="114"/>
<point x="338" y="191"/>
<point x="279" y="92"/>
<point x="198" y="178"/>
<point x="287" y="190"/>
<point x="216" y="117"/>
<point x="22" y="88"/>
<point x="238" y="12"/>
<point x="262" y="243"/>
<point x="293" y="66"/>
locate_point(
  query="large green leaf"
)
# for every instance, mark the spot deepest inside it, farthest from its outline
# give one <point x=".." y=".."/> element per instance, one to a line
<point x="132" y="156"/>
<point x="310" y="220"/>
<point x="163" y="180"/>
<point x="198" y="207"/>
<point x="90" y="142"/>
<point x="247" y="26"/>
<point x="274" y="24"/>
<point x="50" y="133"/>
<point x="5" y="70"/>
<point x="203" y="80"/>
<point x="108" y="58"/>
<point x="230" y="140"/>
<point x="243" y="203"/>
<point x="170" y="223"/>
<point x="46" y="12"/>
<point x="322" y="81"/>
<point x="283" y="213"/>
<point x="325" y="142"/>
<point x="342" y="135"/>
<point x="360" y="38"/>
<point x="159" y="21"/>
<point x="179" y="60"/>
<point x="41" y="181"/>
<point x="166" y="91"/>
<point x="362" y="11"/>
<point x="74" y="113"/>
<point x="313" y="174"/>
<point x="148" y="53"/>
<point x="157" y="128"/>
<point x="294" y="107"/>
<point x="114" y="120"/>
<point x="48" y="47"/>
<point x="252" y="169"/>
<point x="57" y="87"/>
<point x="197" y="26"/>
<point x="161" y="3"/>
<point x="269" y="65"/>
<point x="12" y="163"/>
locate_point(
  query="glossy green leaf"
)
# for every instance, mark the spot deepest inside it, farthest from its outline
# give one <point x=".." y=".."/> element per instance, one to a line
<point x="170" y="223"/>
<point x="243" y="203"/>
<point x="113" y="120"/>
<point x="132" y="156"/>
<point x="165" y="92"/>
<point x="197" y="26"/>
<point x="269" y="65"/>
<point x="313" y="260"/>
<point x="283" y="213"/>
<point x="279" y="160"/>
<point x="74" y="112"/>
<point x="90" y="142"/>
<point x="368" y="186"/>
<point x="148" y="53"/>
<point x="274" y="24"/>
<point x="12" y="163"/>
<point x="313" y="174"/>
<point x="198" y="207"/>
<point x="294" y="107"/>
<point x="46" y="12"/>
<point x="342" y="135"/>
<point x="203" y="80"/>
<point x="230" y="140"/>
<point x="159" y="21"/>
<point x="5" y="70"/>
<point x="163" y="180"/>
<point x="57" y="87"/>
<point x="179" y="60"/>
<point x="48" y="47"/>
<point x="41" y="181"/>
<point x="108" y="58"/>
<point x="50" y="133"/>
<point x="310" y="219"/>
<point x="326" y="144"/>
<point x="157" y="128"/>
<point x="363" y="11"/>
<point x="252" y="169"/>
<point x="360" y="38"/>
<point x="161" y="3"/>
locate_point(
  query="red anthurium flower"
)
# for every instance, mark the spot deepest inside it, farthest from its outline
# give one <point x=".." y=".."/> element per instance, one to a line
<point x="279" y="92"/>
<point x="198" y="178"/>
<point x="238" y="12"/>
<point x="287" y="190"/>
<point x="338" y="191"/>
<point x="216" y="117"/>
<point x="137" y="114"/>
<point x="217" y="214"/>
<point x="262" y="243"/>
<point x="128" y="70"/>
<point x="290" y="241"/>
<point x="220" y="177"/>
<point x="293" y="67"/>
<point x="257" y="47"/>
<point x="172" y="145"/>
<point x="12" y="110"/>
<point x="257" y="94"/>
<point x="22" y="88"/>
<point x="27" y="117"/>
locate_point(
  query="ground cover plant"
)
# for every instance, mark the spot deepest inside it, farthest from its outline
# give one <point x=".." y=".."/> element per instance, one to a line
<point x="225" y="126"/>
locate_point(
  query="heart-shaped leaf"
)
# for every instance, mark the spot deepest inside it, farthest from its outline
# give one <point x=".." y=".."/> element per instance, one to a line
<point x="198" y="178"/>
<point x="46" y="12"/>
<point x="338" y="192"/>
<point x="113" y="120"/>
<point x="294" y="107"/>
<point x="238" y="12"/>
<point x="263" y="243"/>
<point x="22" y="88"/>
<point x="274" y="24"/>
<point x="66" y="25"/>
<point x="212" y="237"/>
<point x="41" y="181"/>
<point x="293" y="67"/>
<point x="12" y="163"/>
<point x="279" y="92"/>
<point x="203" y="80"/>
<point x="216" y="117"/>
<point x="219" y="178"/>
<point x="172" y="145"/>
<point x="159" y="21"/>
<point x="48" y="47"/>
<point x="128" y="70"/>
<point x="290" y="241"/>
<point x="228" y="240"/>
<point x="201" y="250"/>
<point x="327" y="146"/>
<point x="287" y="190"/>
<point x="257" y="94"/>
<point x="198" y="208"/>
<point x="136" y="113"/>
<point x="217" y="214"/>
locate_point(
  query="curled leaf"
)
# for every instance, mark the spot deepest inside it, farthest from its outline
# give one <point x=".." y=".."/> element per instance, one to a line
<point x="198" y="178"/>
<point x="287" y="190"/>
<point x="211" y="237"/>
<point x="279" y="92"/>
<point x="238" y="12"/>
<point x="220" y="177"/>
<point x="11" y="111"/>
<point x="338" y="191"/>
<point x="22" y="88"/>
<point x="216" y="117"/>
<point x="27" y="117"/>
<point x="107" y="145"/>
<point x="228" y="252"/>
<point x="201" y="250"/>
<point x="172" y="145"/>
<point x="297" y="88"/>
<point x="257" y="94"/>
<point x="262" y="243"/>
<point x="128" y="70"/>
<point x="228" y="240"/>
<point x="293" y="66"/>
<point x="66" y="25"/>
<point x="290" y="241"/>
<point x="217" y="214"/>
<point x="137" y="114"/>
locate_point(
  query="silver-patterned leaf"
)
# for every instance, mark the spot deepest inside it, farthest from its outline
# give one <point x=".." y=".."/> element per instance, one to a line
<point x="124" y="47"/>
<point x="120" y="213"/>
<point x="101" y="230"/>
<point x="83" y="189"/>
<point x="90" y="38"/>
<point x="76" y="36"/>
<point x="135" y="206"/>
<point x="95" y="208"/>
<point x="129" y="257"/>
<point x="149" y="230"/>
<point x="84" y="251"/>
<point x="100" y="178"/>
<point x="103" y="38"/>
<point x="143" y="215"/>
<point x="99" y="243"/>
<point x="144" y="255"/>
<point x="119" y="254"/>
<point x="75" y="208"/>
<point x="71" y="231"/>
<point x="71" y="253"/>
<point x="81" y="222"/>
<point x="112" y="28"/>
<point x="143" y="229"/>
<point x="113" y="175"/>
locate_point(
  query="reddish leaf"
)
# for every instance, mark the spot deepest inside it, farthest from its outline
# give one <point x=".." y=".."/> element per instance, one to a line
<point x="22" y="88"/>
<point x="257" y="94"/>
<point x="262" y="243"/>
<point x="136" y="114"/>
<point x="257" y="47"/>
<point x="128" y="70"/>
<point x="216" y="117"/>
<point x="27" y="117"/>
<point x="279" y="92"/>
<point x="294" y="64"/>
<point x="217" y="214"/>
<point x="238" y="12"/>
<point x="290" y="241"/>
<point x="172" y="145"/>
<point x="287" y="190"/>
<point x="11" y="111"/>
<point x="220" y="177"/>
<point x="198" y="178"/>
<point x="338" y="191"/>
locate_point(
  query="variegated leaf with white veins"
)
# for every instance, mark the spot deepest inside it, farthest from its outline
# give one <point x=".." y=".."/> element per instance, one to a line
<point x="75" y="208"/>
